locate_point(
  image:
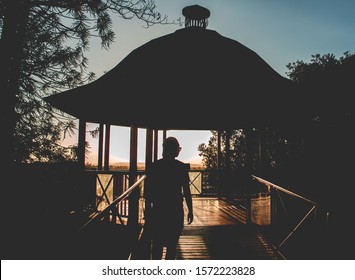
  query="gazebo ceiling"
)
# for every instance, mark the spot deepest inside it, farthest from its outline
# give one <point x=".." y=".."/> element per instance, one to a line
<point x="192" y="79"/>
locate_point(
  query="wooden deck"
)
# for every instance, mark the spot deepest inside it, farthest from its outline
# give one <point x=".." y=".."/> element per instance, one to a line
<point x="219" y="231"/>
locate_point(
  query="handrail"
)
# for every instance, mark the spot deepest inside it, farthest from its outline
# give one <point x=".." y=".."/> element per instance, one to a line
<point x="297" y="226"/>
<point x="269" y="184"/>
<point x="120" y="198"/>
<point x="263" y="181"/>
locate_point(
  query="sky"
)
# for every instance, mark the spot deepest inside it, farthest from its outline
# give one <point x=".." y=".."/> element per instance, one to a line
<point x="279" y="31"/>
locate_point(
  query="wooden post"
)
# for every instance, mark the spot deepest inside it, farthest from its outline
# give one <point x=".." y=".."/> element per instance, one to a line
<point x="228" y="172"/>
<point x="107" y="147"/>
<point x="155" y="144"/>
<point x="219" y="161"/>
<point x="81" y="144"/>
<point x="249" y="164"/>
<point x="147" y="237"/>
<point x="134" y="196"/>
<point x="273" y="214"/>
<point x="115" y="193"/>
<point x="148" y="148"/>
<point x="164" y="134"/>
<point x="101" y="145"/>
<point x="148" y="157"/>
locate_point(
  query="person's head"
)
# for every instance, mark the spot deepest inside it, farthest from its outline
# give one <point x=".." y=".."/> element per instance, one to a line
<point x="171" y="147"/>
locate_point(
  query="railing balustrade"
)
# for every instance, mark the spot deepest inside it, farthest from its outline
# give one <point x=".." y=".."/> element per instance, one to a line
<point x="117" y="208"/>
<point x="294" y="218"/>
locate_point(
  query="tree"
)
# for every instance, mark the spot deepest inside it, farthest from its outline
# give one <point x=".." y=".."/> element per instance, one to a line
<point x="329" y="142"/>
<point x="209" y="152"/>
<point x="228" y="170"/>
<point x="268" y="148"/>
<point x="327" y="139"/>
<point x="328" y="83"/>
<point x="42" y="49"/>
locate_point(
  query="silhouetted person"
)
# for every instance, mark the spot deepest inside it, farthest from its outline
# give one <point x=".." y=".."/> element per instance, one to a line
<point x="166" y="186"/>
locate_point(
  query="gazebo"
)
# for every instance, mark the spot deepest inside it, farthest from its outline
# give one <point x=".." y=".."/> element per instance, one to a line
<point x="192" y="79"/>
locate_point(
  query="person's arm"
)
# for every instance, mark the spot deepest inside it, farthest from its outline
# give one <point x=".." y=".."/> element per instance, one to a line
<point x="188" y="199"/>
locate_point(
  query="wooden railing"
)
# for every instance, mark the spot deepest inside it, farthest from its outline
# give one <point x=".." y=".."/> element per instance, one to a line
<point x="111" y="191"/>
<point x="108" y="186"/>
<point x="289" y="223"/>
<point x="118" y="207"/>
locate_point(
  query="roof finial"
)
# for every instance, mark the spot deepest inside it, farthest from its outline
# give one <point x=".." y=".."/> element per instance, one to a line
<point x="196" y="15"/>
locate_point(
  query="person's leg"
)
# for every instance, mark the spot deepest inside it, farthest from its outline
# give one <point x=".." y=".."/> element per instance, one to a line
<point x="172" y="244"/>
<point x="170" y="252"/>
<point x="171" y="248"/>
<point x="157" y="250"/>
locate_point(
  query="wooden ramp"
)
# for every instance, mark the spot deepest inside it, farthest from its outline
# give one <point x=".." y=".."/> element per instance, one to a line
<point x="219" y="231"/>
